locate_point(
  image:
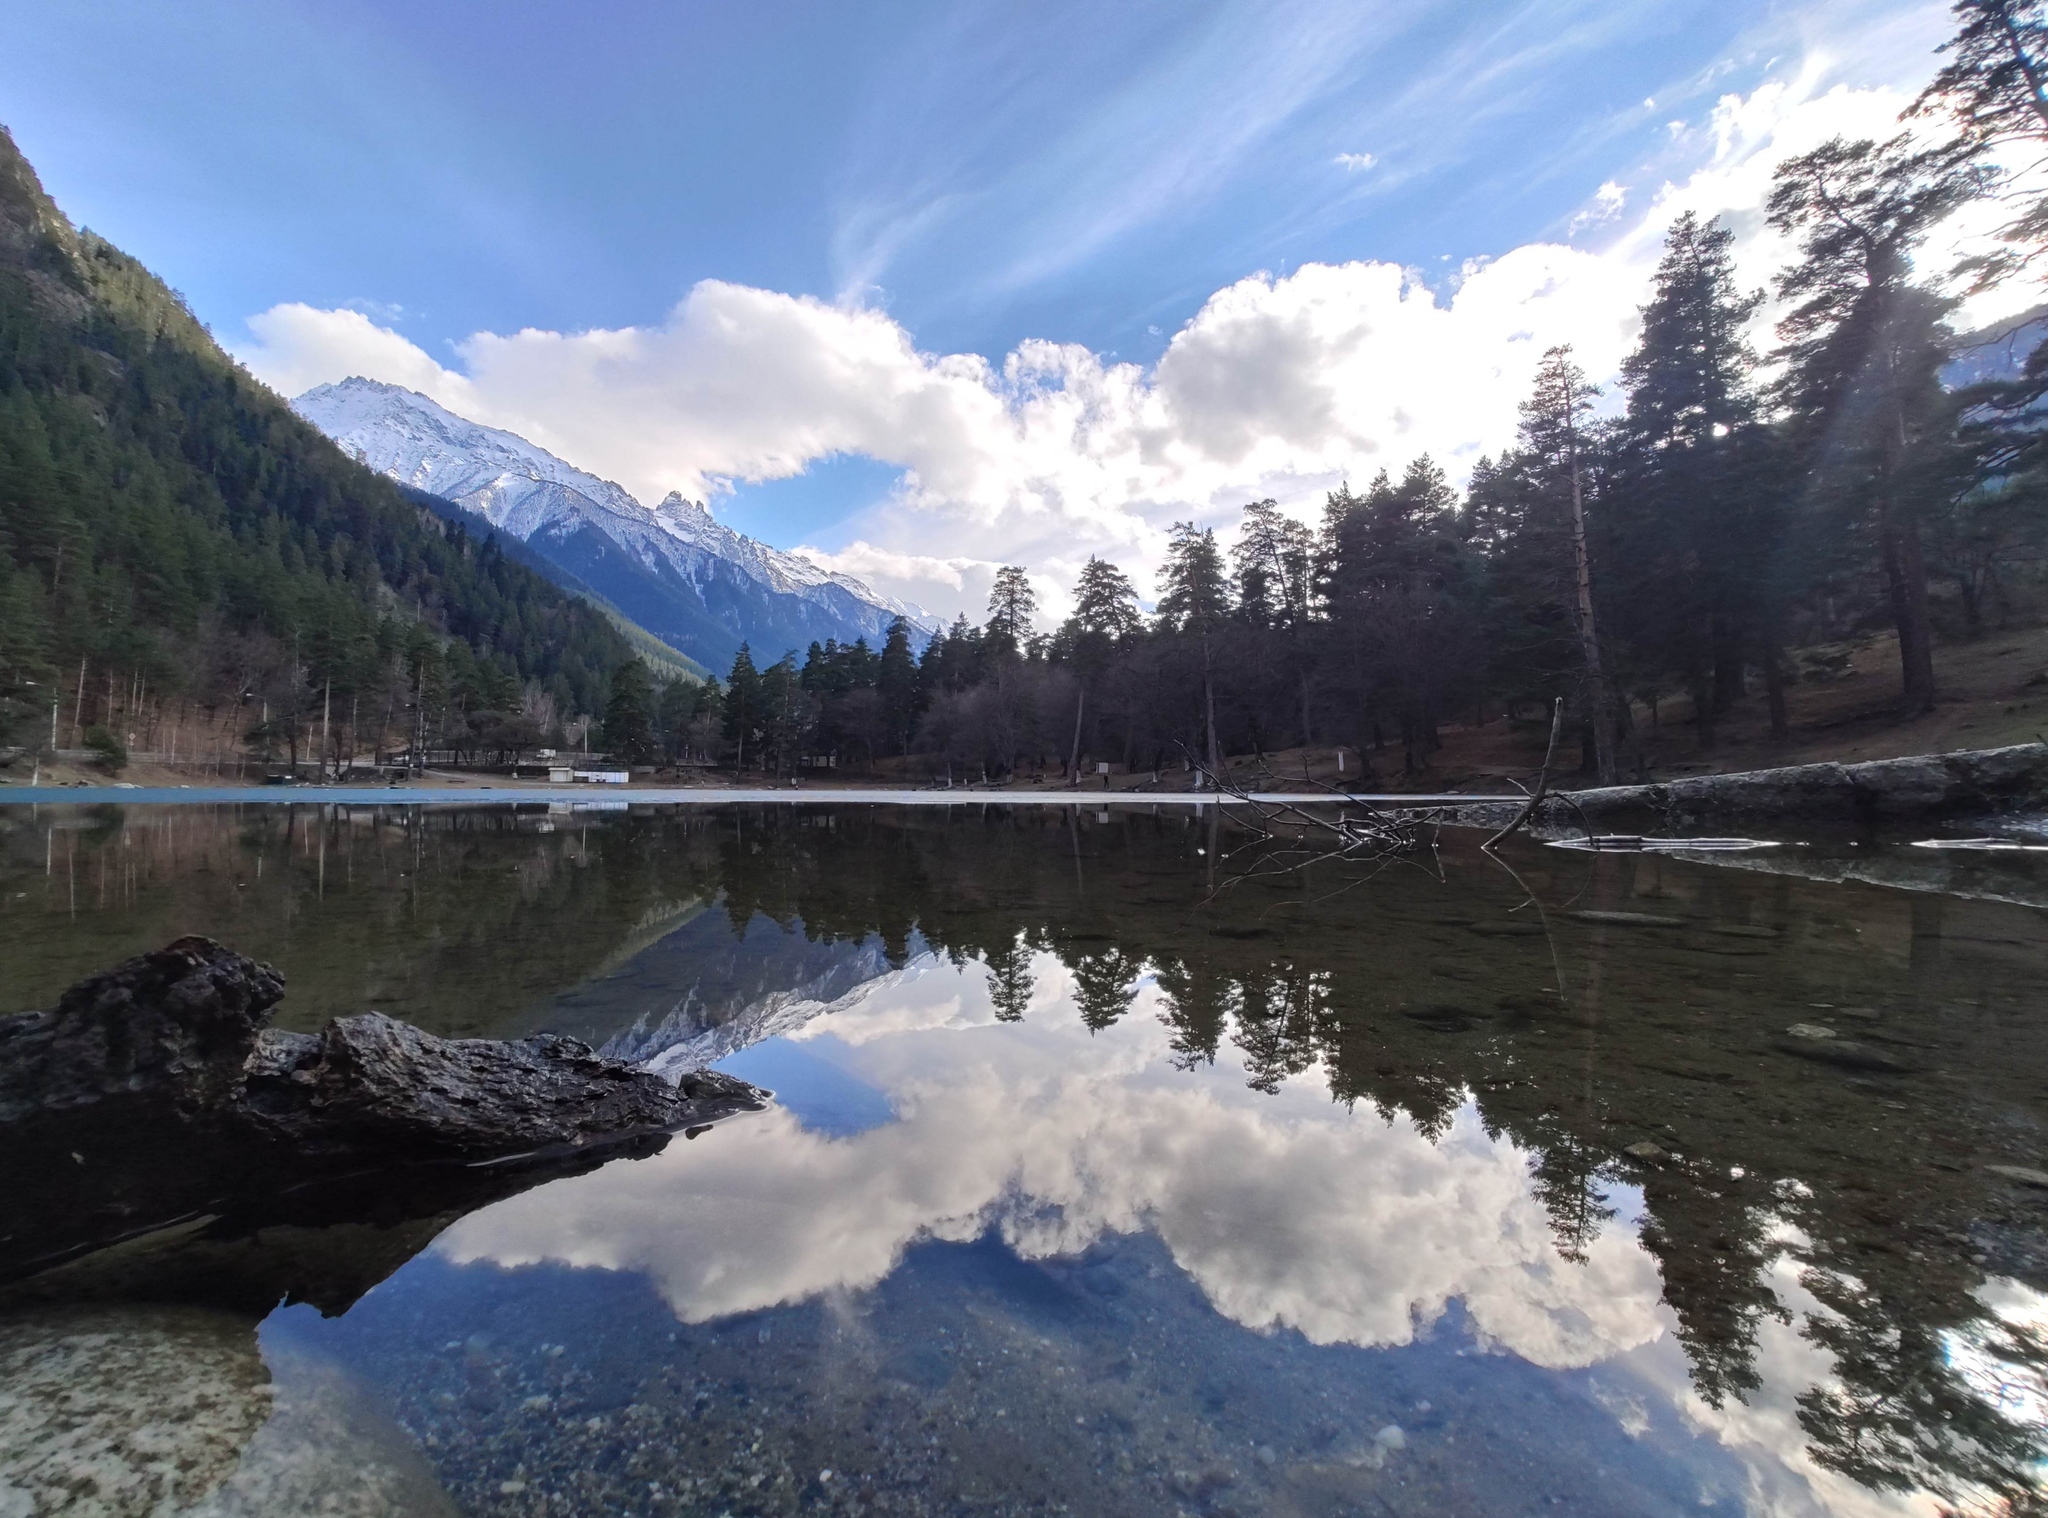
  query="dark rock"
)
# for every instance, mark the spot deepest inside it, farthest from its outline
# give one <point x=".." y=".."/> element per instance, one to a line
<point x="170" y="1027"/>
<point x="1544" y="1006"/>
<point x="1441" y="1017"/>
<point x="1628" y="919"/>
<point x="152" y="1097"/>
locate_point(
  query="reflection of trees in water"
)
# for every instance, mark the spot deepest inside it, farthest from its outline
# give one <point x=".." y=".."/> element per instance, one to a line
<point x="1009" y="978"/>
<point x="1570" y="1178"/>
<point x="1282" y="1023"/>
<point x="1105" y="985"/>
<point x="1902" y="1416"/>
<point x="1201" y="1003"/>
<point x="1418" y="1019"/>
<point x="1715" y="1265"/>
<point x="456" y="920"/>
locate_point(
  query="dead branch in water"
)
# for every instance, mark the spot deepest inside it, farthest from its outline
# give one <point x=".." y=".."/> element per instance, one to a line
<point x="1542" y="781"/>
<point x="1294" y="839"/>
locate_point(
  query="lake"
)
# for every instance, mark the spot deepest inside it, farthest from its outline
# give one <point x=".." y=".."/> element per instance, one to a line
<point x="1105" y="1174"/>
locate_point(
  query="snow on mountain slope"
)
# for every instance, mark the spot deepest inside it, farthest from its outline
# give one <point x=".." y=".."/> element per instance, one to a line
<point x="685" y="576"/>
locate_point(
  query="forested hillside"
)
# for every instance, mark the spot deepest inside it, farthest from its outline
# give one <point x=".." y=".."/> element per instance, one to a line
<point x="179" y="551"/>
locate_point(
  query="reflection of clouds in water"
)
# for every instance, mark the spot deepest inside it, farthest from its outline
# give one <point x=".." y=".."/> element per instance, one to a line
<point x="925" y="995"/>
<point x="1288" y="1210"/>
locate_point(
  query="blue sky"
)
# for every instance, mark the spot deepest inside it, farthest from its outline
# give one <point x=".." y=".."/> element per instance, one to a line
<point x="983" y="174"/>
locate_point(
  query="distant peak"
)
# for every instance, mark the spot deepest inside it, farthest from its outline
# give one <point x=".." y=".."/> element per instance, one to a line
<point x="676" y="501"/>
<point x="355" y="382"/>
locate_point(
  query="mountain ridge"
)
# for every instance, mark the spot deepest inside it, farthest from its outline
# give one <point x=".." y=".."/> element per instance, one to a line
<point x="690" y="580"/>
<point x="174" y="538"/>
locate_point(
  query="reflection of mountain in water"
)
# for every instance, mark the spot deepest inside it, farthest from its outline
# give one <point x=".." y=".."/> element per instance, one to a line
<point x="706" y="990"/>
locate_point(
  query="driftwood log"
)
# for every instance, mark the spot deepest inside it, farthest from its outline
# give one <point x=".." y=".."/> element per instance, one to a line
<point x="1974" y="784"/>
<point x="154" y="1096"/>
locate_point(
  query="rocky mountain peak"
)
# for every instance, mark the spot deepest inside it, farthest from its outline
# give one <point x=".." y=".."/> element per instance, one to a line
<point x="686" y="577"/>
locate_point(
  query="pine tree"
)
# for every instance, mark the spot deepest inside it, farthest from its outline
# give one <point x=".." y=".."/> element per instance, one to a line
<point x="1105" y="601"/>
<point x="1689" y="380"/>
<point x="1011" y="603"/>
<point x="1864" y="347"/>
<point x="1395" y="577"/>
<point x="1553" y="434"/>
<point x="1194" y="603"/>
<point x="786" y="713"/>
<point x="743" y="715"/>
<point x="1994" y="91"/>
<point x="896" y="682"/>
<point x="675" y="707"/>
<point x="1694" y="523"/>
<point x="1105" y="611"/>
<point x="1272" y="558"/>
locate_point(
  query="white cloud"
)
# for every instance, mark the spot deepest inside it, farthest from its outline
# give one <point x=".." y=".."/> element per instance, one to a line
<point x="298" y="346"/>
<point x="1607" y="203"/>
<point x="967" y="579"/>
<point x="1356" y="162"/>
<point x="1275" y="387"/>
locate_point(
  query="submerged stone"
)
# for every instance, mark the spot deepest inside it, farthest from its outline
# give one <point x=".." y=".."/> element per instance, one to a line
<point x="2024" y="1175"/>
<point x="1824" y="1045"/>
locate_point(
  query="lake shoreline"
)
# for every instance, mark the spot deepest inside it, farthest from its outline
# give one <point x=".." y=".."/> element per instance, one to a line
<point x="1970" y="784"/>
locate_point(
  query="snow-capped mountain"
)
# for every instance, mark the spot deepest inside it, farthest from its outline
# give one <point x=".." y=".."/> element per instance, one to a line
<point x="688" y="579"/>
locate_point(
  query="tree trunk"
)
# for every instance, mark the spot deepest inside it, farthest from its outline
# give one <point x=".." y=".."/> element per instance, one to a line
<point x="1774" y="681"/>
<point x="1589" y="638"/>
<point x="1728" y="681"/>
<point x="1074" y="759"/>
<point x="1905" y="573"/>
<point x="1973" y="611"/>
<point x="1209" y="708"/>
<point x="1307" y="737"/>
<point x="1628" y="735"/>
